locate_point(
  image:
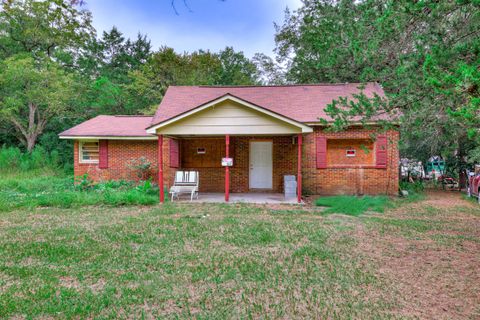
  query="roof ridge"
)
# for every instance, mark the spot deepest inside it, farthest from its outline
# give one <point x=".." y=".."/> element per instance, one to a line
<point x="323" y="84"/>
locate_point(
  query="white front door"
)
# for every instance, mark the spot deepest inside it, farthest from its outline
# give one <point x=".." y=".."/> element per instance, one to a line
<point x="261" y="165"/>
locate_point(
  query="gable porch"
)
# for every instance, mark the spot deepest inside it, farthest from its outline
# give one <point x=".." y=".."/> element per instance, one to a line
<point x="262" y="145"/>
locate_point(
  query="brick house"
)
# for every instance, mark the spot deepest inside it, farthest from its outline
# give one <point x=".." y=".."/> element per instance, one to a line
<point x="268" y="131"/>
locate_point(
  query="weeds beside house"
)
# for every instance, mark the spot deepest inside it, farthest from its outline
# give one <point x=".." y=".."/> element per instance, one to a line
<point x="36" y="179"/>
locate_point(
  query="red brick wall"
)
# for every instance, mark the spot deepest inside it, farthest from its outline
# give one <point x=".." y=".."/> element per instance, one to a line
<point x="121" y="153"/>
<point x="355" y="178"/>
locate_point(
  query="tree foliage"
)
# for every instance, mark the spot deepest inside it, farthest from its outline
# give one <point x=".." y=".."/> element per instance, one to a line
<point x="33" y="91"/>
<point x="56" y="72"/>
<point x="424" y="53"/>
<point x="42" y="27"/>
<point x="166" y="67"/>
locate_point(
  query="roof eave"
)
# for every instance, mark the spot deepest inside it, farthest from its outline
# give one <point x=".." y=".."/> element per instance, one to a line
<point x="110" y="137"/>
<point x="354" y="123"/>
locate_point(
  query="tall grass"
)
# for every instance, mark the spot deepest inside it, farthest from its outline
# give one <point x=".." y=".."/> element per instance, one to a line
<point x="32" y="189"/>
<point x="13" y="160"/>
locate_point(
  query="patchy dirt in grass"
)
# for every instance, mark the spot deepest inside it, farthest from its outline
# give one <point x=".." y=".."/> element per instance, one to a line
<point x="433" y="280"/>
<point x="446" y="199"/>
<point x="69" y="282"/>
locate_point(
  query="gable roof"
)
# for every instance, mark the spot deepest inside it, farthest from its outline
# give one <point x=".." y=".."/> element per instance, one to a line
<point x="242" y="102"/>
<point x="302" y="103"/>
<point x="111" y="126"/>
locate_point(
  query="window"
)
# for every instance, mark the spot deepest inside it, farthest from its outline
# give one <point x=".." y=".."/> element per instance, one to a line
<point x="89" y="152"/>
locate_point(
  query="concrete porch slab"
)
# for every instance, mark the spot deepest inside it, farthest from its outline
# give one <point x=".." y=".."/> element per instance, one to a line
<point x="261" y="198"/>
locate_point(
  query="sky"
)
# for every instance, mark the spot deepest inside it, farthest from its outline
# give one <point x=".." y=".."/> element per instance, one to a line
<point x="247" y="25"/>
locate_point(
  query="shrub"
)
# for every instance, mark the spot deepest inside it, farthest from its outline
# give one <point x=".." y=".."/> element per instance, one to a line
<point x="415" y="189"/>
<point x="9" y="158"/>
<point x="142" y="168"/>
<point x="83" y="183"/>
<point x="416" y="186"/>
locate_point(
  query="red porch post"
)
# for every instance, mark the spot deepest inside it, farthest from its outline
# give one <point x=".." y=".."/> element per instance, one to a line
<point x="160" y="167"/>
<point x="299" y="169"/>
<point x="227" y="169"/>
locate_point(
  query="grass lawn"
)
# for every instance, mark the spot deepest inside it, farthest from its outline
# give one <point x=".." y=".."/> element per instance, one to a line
<point x="353" y="206"/>
<point x="419" y="260"/>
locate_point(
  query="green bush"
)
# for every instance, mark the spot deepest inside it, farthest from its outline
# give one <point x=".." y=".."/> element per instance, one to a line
<point x="415" y="189"/>
<point x="417" y="186"/>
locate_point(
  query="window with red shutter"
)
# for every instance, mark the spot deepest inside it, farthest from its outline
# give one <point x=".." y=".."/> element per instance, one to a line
<point x="381" y="151"/>
<point x="321" y="152"/>
<point x="174" y="154"/>
<point x="103" y="154"/>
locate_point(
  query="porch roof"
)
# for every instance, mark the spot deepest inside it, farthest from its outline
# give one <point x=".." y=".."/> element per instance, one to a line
<point x="229" y="114"/>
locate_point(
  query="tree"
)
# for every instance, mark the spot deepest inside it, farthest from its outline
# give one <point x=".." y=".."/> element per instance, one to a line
<point x="269" y="72"/>
<point x="236" y="68"/>
<point x="424" y="53"/>
<point x="105" y="69"/>
<point x="32" y="91"/>
<point x="166" y="67"/>
<point x="42" y="27"/>
<point x="118" y="56"/>
<point x="44" y="38"/>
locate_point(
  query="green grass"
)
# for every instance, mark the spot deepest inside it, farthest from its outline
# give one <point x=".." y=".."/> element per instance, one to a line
<point x="175" y="261"/>
<point x="39" y="188"/>
<point x="352" y="205"/>
<point x="217" y="261"/>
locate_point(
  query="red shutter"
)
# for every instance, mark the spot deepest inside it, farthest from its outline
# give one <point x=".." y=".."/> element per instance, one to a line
<point x="103" y="154"/>
<point x="381" y="152"/>
<point x="174" y="154"/>
<point x="321" y="152"/>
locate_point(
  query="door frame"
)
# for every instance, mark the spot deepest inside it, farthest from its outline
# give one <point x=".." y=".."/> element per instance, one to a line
<point x="249" y="159"/>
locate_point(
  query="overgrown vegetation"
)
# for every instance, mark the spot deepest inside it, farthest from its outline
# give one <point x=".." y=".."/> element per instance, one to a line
<point x="13" y="160"/>
<point x="415" y="189"/>
<point x="44" y="188"/>
<point x="352" y="205"/>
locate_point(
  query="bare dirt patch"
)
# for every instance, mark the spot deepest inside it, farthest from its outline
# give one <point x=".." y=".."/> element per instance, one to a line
<point x="446" y="199"/>
<point x="432" y="280"/>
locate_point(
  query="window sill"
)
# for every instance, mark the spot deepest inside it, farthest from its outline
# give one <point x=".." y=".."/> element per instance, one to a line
<point x="88" y="163"/>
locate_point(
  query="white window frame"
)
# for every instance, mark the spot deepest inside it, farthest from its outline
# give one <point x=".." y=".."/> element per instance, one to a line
<point x="80" y="152"/>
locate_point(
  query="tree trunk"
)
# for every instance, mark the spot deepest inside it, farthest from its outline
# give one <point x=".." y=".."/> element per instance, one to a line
<point x="31" y="141"/>
<point x="32" y="130"/>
